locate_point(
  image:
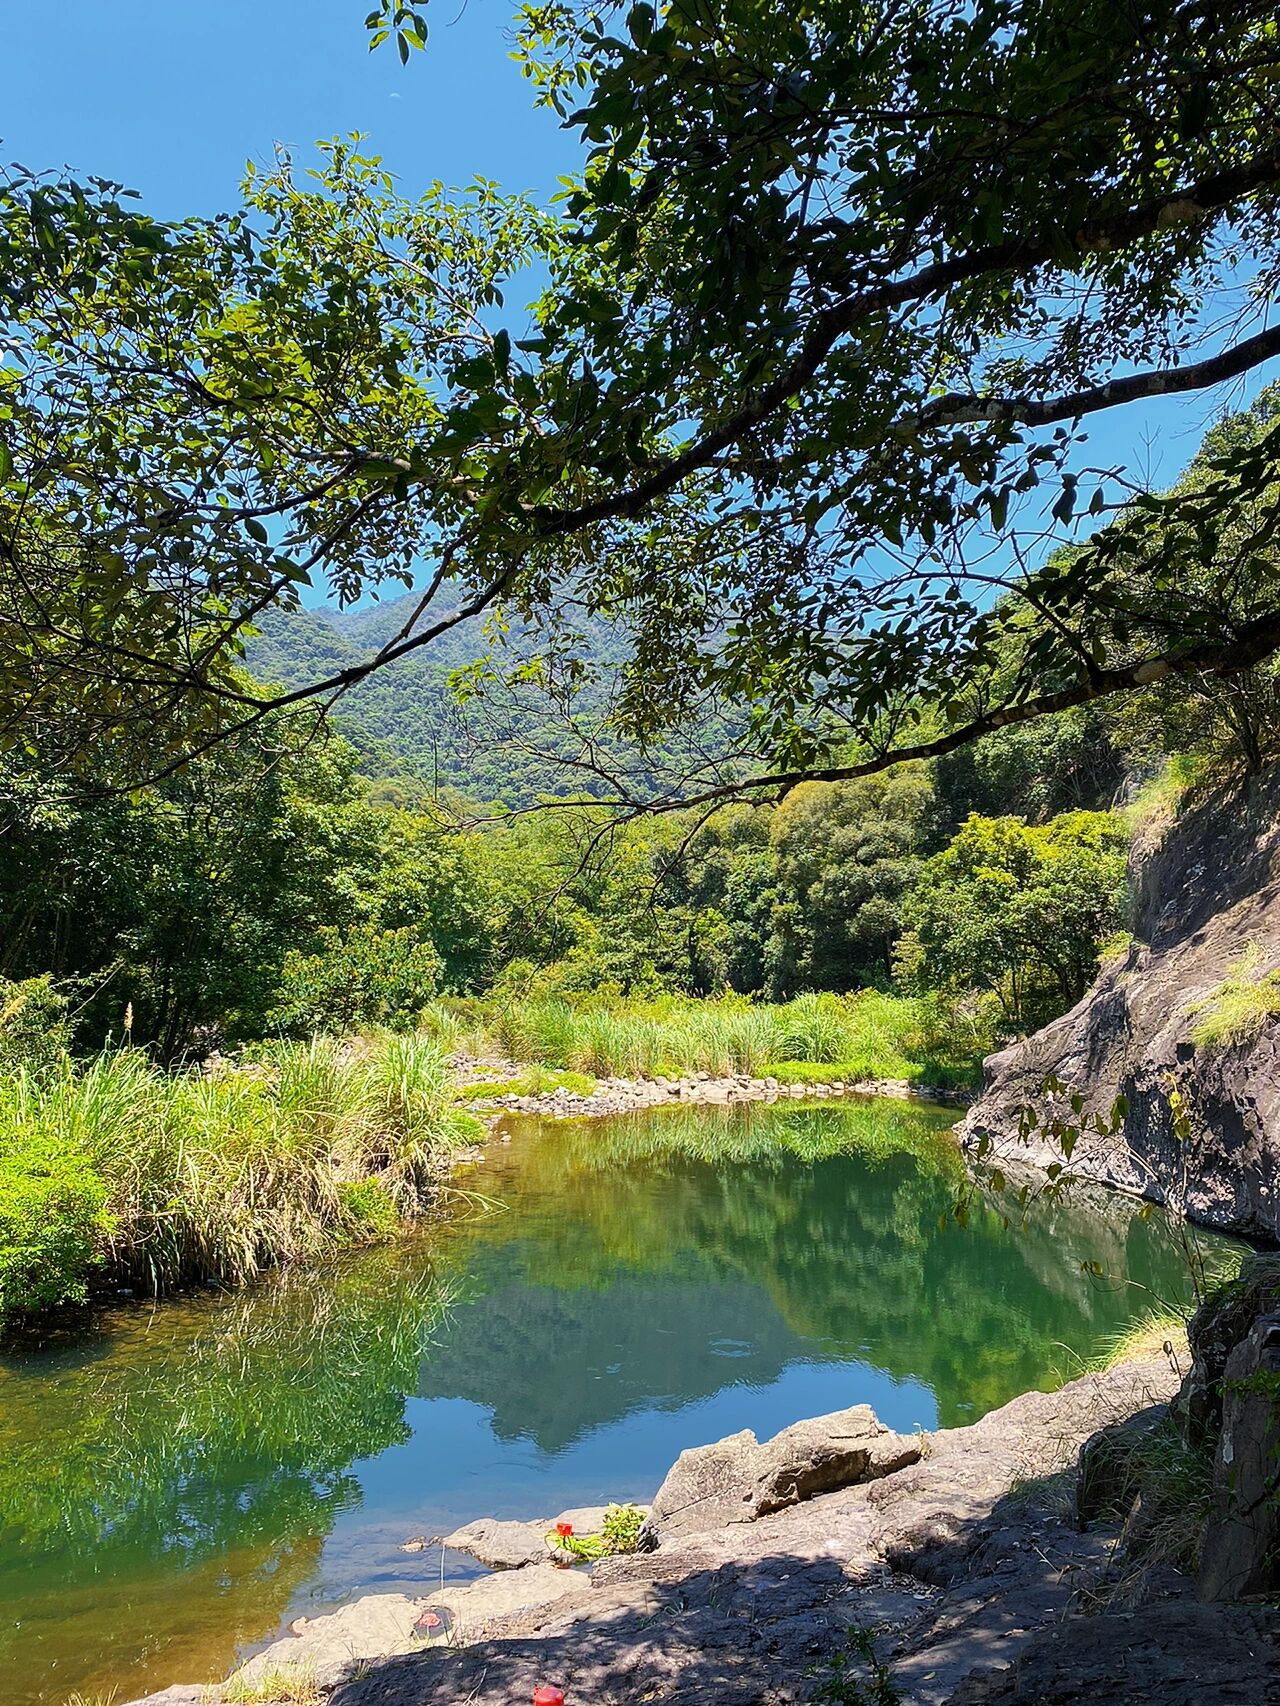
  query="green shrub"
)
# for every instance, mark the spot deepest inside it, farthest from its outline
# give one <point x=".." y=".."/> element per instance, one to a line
<point x="366" y="976"/>
<point x="53" y="1216"/>
<point x="219" y="1175"/>
<point x="621" y="1527"/>
<point x="35" y="1033"/>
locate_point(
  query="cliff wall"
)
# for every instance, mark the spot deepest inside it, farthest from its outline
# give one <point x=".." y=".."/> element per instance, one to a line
<point x="1206" y="892"/>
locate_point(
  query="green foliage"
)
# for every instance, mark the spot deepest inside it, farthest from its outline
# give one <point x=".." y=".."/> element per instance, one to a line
<point x="367" y="1207"/>
<point x="35" y="1033"/>
<point x="53" y="1222"/>
<point x="1020" y="910"/>
<point x="619" y="1532"/>
<point x="856" y="1676"/>
<point x="1240" y="1008"/>
<point x="621" y="1527"/>
<point x="369" y="976"/>
<point x="738" y="390"/>
<point x="165" y="1177"/>
<point x="537" y="1081"/>
<point x="861" y="1036"/>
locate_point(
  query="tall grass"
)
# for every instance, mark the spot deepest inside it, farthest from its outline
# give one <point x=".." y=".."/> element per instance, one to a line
<point x="869" y="1035"/>
<point x="218" y="1175"/>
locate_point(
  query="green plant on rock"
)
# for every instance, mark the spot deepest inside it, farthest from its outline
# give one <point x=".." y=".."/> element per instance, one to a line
<point x="855" y="1677"/>
<point x="619" y="1532"/>
<point x="621" y="1527"/>
<point x="1240" y="1007"/>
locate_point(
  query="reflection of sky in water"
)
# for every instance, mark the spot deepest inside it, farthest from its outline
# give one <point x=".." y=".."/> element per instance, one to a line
<point x="455" y="1468"/>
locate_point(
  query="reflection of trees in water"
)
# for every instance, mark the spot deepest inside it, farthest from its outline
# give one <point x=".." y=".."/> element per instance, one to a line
<point x="166" y="1484"/>
<point x="553" y="1363"/>
<point x="835" y="1228"/>
<point x="196" y="1451"/>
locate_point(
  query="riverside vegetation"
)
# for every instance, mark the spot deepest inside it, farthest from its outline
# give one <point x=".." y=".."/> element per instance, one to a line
<point x="114" y="1172"/>
<point x="150" y="1138"/>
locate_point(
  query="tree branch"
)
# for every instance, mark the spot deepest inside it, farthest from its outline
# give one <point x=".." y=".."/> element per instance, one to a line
<point x="957" y="409"/>
<point x="1208" y="196"/>
<point x="1254" y="641"/>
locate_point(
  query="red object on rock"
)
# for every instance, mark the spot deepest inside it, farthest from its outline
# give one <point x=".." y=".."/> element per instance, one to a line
<point x="548" y="1695"/>
<point x="564" y="1529"/>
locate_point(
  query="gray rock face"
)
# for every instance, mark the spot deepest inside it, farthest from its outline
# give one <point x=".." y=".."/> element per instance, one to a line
<point x="1241" y="1553"/>
<point x="1217" y="1327"/>
<point x="1202" y="896"/>
<point x="738" y="1480"/>
<point x="500" y="1545"/>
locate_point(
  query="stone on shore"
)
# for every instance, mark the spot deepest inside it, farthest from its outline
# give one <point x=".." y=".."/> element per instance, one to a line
<point x="499" y="1545"/>
<point x="738" y="1479"/>
<point x="513" y="1545"/>
<point x="382" y="1625"/>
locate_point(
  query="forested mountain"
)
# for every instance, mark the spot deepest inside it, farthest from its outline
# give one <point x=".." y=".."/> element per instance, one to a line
<point x="508" y="747"/>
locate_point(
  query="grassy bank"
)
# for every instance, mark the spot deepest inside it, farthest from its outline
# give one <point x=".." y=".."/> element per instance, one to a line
<point x="118" y="1173"/>
<point x="925" y="1040"/>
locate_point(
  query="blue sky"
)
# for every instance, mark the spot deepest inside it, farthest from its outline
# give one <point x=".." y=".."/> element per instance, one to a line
<point x="172" y="98"/>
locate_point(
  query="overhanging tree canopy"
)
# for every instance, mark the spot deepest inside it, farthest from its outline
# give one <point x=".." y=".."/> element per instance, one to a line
<point x="838" y="292"/>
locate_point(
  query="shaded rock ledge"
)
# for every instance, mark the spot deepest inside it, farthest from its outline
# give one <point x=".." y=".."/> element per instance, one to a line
<point x="963" y="1555"/>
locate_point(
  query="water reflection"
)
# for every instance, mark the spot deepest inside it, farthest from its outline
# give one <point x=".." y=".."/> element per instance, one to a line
<point x="185" y="1478"/>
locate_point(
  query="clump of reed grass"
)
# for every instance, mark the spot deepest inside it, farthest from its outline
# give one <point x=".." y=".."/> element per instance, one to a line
<point x="217" y="1175"/>
<point x="1240" y="1007"/>
<point x="868" y="1035"/>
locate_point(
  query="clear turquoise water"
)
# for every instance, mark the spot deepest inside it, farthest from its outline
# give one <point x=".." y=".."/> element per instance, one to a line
<point x="174" y="1482"/>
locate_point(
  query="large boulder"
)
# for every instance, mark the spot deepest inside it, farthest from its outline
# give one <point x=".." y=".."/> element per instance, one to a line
<point x="739" y="1479"/>
<point x="1241" y="1554"/>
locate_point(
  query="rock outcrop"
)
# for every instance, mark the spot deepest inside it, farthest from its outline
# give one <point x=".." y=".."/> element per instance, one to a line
<point x="740" y="1480"/>
<point x="1206" y="895"/>
<point x="1241" y="1554"/>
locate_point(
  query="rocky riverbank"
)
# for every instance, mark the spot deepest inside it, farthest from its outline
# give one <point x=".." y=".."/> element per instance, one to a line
<point x="969" y="1565"/>
<point x="697" y="1089"/>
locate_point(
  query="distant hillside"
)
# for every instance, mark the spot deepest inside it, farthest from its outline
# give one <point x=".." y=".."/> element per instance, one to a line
<point x="407" y="719"/>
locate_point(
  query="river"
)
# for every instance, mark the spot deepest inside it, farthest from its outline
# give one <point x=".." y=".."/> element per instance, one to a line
<point x="177" y="1481"/>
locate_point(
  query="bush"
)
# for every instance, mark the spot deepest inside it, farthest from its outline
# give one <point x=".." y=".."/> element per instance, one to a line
<point x="52" y="1218"/>
<point x="366" y="976"/>
<point x="218" y="1175"/>
<point x="34" y="1030"/>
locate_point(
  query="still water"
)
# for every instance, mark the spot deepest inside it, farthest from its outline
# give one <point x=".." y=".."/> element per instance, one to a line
<point x="175" y="1482"/>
